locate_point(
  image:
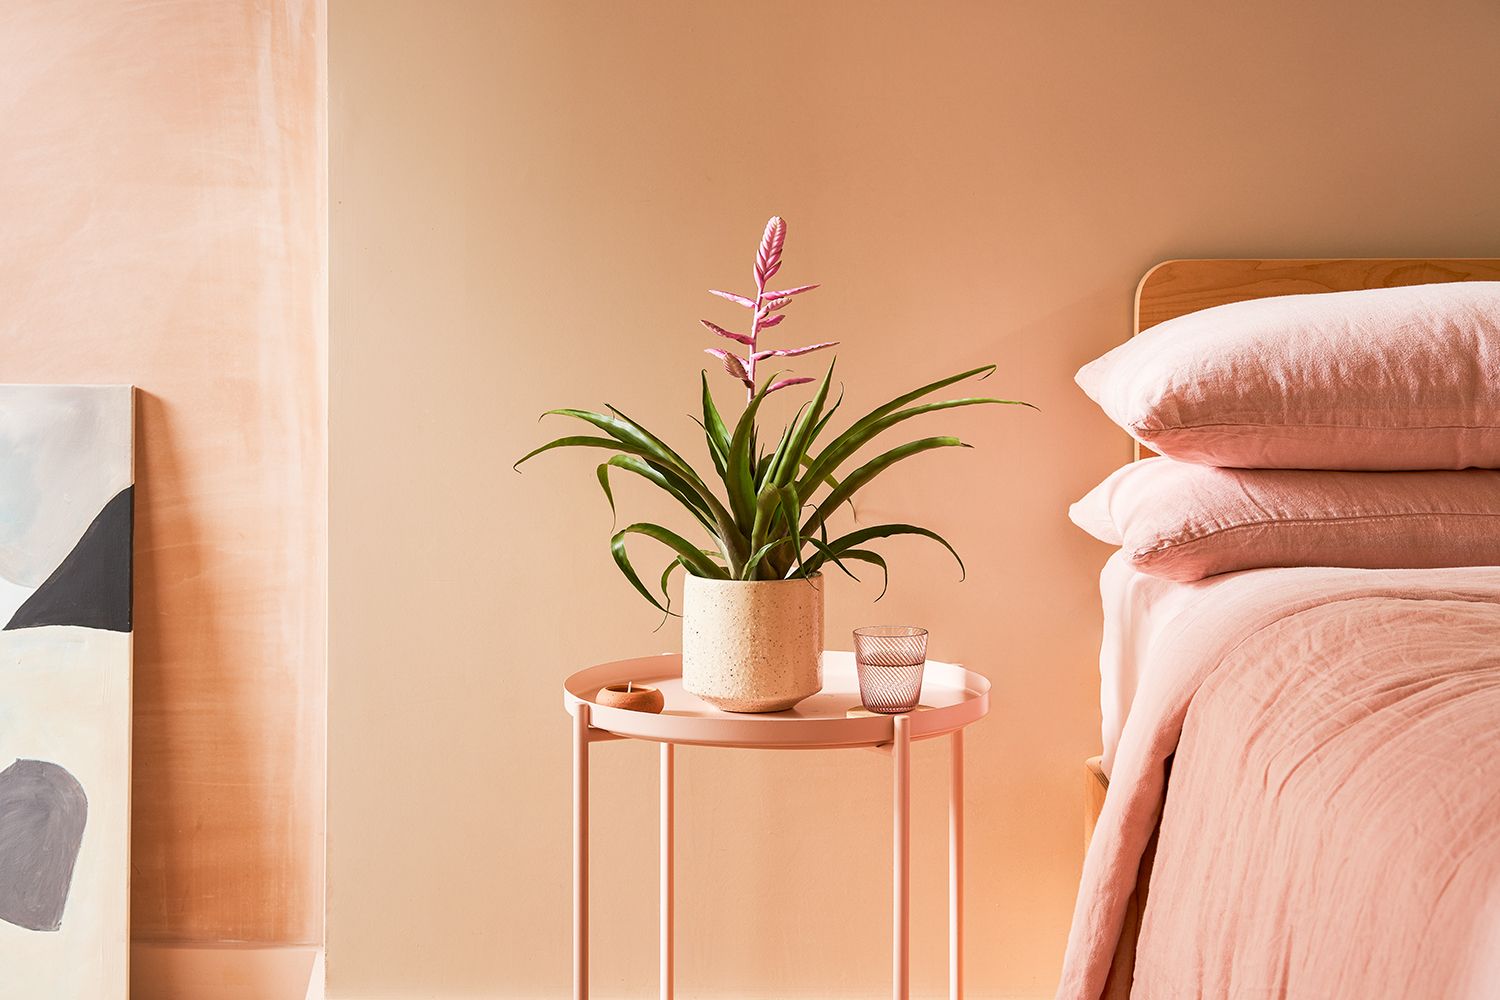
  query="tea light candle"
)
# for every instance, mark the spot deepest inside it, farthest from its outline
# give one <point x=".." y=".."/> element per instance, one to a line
<point x="631" y="697"/>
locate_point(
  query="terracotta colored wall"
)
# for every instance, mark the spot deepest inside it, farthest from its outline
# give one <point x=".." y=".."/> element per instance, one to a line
<point x="529" y="200"/>
<point x="162" y="191"/>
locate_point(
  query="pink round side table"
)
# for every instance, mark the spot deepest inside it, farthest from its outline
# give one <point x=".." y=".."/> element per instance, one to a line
<point x="952" y="698"/>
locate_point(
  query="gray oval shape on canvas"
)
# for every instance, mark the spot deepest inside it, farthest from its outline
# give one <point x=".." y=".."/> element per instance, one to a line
<point x="42" y="814"/>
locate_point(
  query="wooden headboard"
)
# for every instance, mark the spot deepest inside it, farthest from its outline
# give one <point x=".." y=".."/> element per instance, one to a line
<point x="1177" y="287"/>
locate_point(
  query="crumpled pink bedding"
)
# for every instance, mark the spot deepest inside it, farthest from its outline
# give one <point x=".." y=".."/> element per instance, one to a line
<point x="1333" y="823"/>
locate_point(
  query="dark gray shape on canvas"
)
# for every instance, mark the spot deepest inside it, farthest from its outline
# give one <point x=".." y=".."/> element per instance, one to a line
<point x="91" y="586"/>
<point x="42" y="814"/>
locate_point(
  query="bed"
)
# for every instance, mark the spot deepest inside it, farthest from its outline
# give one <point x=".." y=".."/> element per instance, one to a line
<point x="1302" y="763"/>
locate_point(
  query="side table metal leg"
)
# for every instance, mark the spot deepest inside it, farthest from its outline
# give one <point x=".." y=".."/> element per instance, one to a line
<point x="956" y="871"/>
<point x="901" y="861"/>
<point x="581" y="853"/>
<point x="667" y="903"/>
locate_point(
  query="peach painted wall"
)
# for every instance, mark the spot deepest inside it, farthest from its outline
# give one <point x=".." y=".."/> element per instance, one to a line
<point x="162" y="187"/>
<point x="528" y="201"/>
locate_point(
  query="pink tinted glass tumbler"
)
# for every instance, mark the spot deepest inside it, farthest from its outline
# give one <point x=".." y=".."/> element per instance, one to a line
<point x="890" y="659"/>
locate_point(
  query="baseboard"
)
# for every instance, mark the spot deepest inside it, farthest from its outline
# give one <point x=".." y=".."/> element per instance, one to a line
<point x="225" y="972"/>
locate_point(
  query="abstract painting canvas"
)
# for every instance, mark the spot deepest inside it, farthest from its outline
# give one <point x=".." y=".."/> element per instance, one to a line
<point x="66" y="514"/>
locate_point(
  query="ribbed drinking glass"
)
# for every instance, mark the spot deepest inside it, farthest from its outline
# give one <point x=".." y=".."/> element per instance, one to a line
<point x="890" y="659"/>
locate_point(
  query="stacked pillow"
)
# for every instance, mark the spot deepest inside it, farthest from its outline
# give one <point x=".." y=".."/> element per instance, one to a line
<point x="1344" y="429"/>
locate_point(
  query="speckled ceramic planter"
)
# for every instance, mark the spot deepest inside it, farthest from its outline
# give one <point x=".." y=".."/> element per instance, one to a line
<point x="752" y="646"/>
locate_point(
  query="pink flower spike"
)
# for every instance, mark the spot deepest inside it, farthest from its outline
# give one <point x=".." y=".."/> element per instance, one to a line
<point x="787" y="293"/>
<point x="768" y="259"/>
<point x="739" y="337"/>
<point x="738" y="300"/>
<point x="766" y="322"/>
<point x="786" y="382"/>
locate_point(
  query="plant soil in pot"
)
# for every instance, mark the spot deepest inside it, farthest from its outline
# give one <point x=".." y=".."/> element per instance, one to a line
<point x="752" y="646"/>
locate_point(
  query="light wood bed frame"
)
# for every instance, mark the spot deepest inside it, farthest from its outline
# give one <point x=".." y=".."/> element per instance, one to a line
<point x="1177" y="287"/>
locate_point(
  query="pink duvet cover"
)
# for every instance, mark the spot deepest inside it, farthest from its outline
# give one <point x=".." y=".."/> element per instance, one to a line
<point x="1333" y="827"/>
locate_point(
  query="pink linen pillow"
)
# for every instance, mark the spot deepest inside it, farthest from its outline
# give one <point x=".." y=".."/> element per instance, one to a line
<point x="1386" y="378"/>
<point x="1185" y="522"/>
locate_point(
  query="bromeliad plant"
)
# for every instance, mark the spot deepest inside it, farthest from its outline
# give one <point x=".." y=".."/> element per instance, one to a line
<point x="767" y="512"/>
